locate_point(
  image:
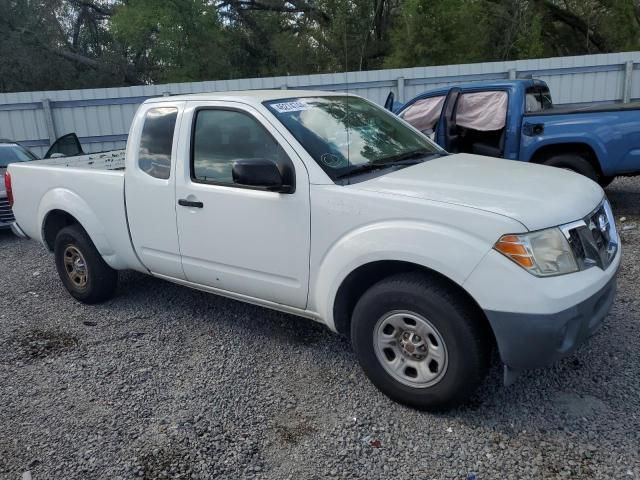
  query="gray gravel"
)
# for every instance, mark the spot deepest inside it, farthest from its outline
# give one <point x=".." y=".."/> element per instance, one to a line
<point x="166" y="382"/>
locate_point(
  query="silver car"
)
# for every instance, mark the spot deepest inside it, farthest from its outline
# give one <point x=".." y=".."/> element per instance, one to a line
<point x="10" y="152"/>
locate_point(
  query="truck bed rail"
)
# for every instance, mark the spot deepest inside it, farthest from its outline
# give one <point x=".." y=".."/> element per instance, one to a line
<point x="111" y="160"/>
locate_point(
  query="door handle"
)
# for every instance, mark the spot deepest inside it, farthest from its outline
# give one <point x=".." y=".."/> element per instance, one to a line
<point x="188" y="203"/>
<point x="533" y="129"/>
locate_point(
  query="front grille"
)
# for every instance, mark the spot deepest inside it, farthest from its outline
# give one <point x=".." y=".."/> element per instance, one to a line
<point x="594" y="239"/>
<point x="6" y="215"/>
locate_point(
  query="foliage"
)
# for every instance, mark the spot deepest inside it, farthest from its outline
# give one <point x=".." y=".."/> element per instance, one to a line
<point x="51" y="44"/>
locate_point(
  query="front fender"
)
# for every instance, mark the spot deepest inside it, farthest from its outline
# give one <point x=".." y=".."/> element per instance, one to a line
<point x="73" y="204"/>
<point x="444" y="249"/>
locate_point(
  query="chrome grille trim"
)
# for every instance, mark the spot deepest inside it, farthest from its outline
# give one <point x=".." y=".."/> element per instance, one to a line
<point x="594" y="239"/>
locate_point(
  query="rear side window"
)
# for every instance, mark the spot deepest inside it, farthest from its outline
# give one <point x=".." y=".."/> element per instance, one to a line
<point x="537" y="99"/>
<point x="156" y="142"/>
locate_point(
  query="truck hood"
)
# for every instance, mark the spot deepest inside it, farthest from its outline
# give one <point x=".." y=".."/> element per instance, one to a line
<point x="535" y="195"/>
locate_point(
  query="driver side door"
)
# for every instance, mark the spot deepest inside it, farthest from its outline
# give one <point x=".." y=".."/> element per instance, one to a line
<point x="446" y="132"/>
<point x="237" y="238"/>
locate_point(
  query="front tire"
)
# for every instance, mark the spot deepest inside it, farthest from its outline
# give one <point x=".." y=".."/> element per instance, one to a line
<point x="420" y="342"/>
<point x="81" y="268"/>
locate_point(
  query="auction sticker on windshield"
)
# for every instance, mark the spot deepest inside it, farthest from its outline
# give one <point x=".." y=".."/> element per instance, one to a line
<point x="295" y="106"/>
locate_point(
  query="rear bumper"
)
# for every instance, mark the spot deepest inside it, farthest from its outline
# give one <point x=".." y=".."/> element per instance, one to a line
<point x="536" y="340"/>
<point x="15" y="228"/>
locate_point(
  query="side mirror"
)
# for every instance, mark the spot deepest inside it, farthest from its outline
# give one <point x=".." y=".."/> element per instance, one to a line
<point x="261" y="173"/>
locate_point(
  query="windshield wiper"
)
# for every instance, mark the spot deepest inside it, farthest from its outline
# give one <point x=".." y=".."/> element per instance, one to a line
<point x="366" y="167"/>
<point x="422" y="154"/>
<point x="403" y="159"/>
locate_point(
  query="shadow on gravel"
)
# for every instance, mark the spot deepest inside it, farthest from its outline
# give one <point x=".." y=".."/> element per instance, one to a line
<point x="7" y="236"/>
<point x="291" y="428"/>
<point x="37" y="344"/>
<point x="183" y="302"/>
<point x="624" y="198"/>
<point x="163" y="463"/>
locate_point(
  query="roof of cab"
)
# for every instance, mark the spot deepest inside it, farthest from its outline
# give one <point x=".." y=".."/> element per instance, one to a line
<point x="496" y="84"/>
<point x="247" y="96"/>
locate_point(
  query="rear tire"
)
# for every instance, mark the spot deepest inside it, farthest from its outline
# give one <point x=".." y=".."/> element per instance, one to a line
<point x="446" y="363"/>
<point x="575" y="163"/>
<point x="81" y="268"/>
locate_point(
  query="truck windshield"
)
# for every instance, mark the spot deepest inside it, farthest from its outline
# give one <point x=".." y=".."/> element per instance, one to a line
<point x="348" y="135"/>
<point x="14" y="153"/>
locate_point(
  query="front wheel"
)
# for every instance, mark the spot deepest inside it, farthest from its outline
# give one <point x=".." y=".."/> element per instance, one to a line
<point x="81" y="268"/>
<point x="420" y="342"/>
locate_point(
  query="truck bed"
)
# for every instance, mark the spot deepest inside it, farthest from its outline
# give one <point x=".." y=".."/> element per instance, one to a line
<point x="588" y="108"/>
<point x="111" y="160"/>
<point x="88" y="187"/>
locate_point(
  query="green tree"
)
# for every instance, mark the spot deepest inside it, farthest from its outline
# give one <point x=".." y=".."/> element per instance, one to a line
<point x="172" y="41"/>
<point x="438" y="32"/>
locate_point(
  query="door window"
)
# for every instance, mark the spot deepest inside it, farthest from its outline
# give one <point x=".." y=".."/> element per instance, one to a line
<point x="482" y="111"/>
<point x="154" y="157"/>
<point x="423" y="114"/>
<point x="223" y="136"/>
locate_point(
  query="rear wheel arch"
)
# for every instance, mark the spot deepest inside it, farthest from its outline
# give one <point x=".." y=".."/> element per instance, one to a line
<point x="365" y="276"/>
<point x="54" y="221"/>
<point x="583" y="150"/>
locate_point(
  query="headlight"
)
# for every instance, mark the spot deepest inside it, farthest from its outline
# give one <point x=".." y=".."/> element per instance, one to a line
<point x="543" y="253"/>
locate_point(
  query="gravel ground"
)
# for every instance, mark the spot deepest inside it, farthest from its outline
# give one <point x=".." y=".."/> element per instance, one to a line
<point x="166" y="382"/>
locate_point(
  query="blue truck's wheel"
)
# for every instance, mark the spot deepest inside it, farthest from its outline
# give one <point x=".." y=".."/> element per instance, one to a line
<point x="575" y="163"/>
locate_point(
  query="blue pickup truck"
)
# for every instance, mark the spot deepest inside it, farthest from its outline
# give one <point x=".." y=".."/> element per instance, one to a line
<point x="516" y="119"/>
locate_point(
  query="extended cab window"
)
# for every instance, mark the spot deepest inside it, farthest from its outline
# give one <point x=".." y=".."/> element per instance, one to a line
<point x="221" y="137"/>
<point x="156" y="142"/>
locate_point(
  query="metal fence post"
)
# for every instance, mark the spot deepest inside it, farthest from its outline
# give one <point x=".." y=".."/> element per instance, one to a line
<point x="48" y="120"/>
<point x="400" y="82"/>
<point x="513" y="74"/>
<point x="628" y="80"/>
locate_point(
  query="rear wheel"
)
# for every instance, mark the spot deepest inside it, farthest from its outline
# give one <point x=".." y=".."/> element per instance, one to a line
<point x="82" y="270"/>
<point x="420" y="342"/>
<point x="575" y="163"/>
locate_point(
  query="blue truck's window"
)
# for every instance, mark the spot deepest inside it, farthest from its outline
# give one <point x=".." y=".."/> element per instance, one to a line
<point x="537" y="98"/>
<point x="222" y="136"/>
<point x="423" y="114"/>
<point x="154" y="157"/>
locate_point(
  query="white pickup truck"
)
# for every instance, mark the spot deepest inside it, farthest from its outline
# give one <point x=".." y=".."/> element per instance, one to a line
<point x="328" y="207"/>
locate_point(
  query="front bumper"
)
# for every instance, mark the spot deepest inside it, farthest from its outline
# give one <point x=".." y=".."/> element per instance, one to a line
<point x="537" y="340"/>
<point x="536" y="321"/>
